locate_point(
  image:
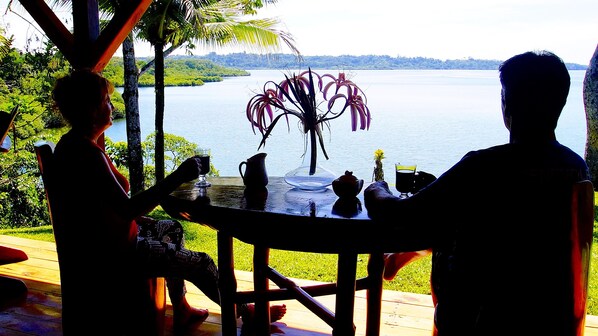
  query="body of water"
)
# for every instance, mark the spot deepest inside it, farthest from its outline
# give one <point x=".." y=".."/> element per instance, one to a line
<point x="430" y="117"/>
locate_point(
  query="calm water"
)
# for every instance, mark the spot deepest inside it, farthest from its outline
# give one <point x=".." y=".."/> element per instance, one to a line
<point x="430" y="117"/>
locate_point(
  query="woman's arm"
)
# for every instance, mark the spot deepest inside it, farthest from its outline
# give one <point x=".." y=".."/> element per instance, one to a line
<point x="147" y="200"/>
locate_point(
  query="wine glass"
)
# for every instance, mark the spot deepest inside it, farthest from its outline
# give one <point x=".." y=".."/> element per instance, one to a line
<point x="204" y="159"/>
<point x="405" y="178"/>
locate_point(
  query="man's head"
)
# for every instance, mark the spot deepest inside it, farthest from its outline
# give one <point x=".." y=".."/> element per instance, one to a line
<point x="535" y="86"/>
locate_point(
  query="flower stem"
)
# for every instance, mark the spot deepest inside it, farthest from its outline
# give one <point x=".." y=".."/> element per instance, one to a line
<point x="314" y="151"/>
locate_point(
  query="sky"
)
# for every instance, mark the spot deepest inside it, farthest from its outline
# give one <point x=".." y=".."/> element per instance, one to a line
<point x="441" y="29"/>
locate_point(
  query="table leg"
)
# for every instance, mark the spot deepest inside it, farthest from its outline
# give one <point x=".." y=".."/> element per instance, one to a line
<point x="374" y="293"/>
<point x="261" y="258"/>
<point x="345" y="296"/>
<point x="227" y="283"/>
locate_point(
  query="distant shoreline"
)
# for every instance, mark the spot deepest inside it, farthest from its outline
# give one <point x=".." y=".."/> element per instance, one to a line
<point x="247" y="61"/>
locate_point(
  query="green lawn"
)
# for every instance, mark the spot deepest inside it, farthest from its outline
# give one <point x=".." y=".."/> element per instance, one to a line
<point x="314" y="266"/>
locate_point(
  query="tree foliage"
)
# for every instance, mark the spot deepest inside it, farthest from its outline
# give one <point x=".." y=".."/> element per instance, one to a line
<point x="27" y="79"/>
<point x="351" y="62"/>
<point x="177" y="149"/>
<point x="177" y="72"/>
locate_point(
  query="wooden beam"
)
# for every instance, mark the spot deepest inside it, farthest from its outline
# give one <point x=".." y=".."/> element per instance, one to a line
<point x="86" y="29"/>
<point x="117" y="30"/>
<point x="87" y="46"/>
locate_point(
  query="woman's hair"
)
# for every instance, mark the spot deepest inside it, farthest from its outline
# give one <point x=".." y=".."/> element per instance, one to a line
<point x="80" y="93"/>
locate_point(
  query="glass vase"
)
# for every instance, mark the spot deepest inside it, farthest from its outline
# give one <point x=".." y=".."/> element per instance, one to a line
<point x="301" y="178"/>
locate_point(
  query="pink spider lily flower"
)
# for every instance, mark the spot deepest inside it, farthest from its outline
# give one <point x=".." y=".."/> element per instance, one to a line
<point x="303" y="96"/>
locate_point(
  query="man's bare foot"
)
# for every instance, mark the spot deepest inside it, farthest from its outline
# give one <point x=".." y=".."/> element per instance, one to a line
<point x="393" y="262"/>
<point x="277" y="312"/>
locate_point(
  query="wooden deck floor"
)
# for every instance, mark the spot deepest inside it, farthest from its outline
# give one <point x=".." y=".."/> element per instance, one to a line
<point x="405" y="314"/>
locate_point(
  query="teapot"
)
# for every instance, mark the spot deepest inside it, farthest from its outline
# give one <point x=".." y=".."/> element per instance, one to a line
<point x="254" y="175"/>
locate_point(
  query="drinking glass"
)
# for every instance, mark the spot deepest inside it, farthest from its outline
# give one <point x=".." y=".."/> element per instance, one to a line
<point x="405" y="178"/>
<point x="204" y="158"/>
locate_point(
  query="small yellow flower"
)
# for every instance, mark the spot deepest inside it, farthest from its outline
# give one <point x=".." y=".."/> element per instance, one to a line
<point x="378" y="174"/>
<point x="379" y="155"/>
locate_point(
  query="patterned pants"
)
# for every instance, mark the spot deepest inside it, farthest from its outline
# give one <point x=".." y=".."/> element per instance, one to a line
<point x="161" y="252"/>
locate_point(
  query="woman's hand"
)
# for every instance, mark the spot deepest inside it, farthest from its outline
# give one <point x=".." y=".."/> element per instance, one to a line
<point x="189" y="169"/>
<point x="147" y="200"/>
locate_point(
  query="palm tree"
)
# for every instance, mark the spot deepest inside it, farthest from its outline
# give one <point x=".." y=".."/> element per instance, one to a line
<point x="131" y="97"/>
<point x="5" y="44"/>
<point x="178" y="23"/>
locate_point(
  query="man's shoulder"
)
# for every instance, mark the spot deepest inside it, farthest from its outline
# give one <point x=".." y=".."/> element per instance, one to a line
<point x="493" y="152"/>
<point x="524" y="150"/>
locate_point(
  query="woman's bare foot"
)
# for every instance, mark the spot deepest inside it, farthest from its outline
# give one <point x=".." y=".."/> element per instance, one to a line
<point x="276" y="313"/>
<point x="248" y="316"/>
<point x="185" y="316"/>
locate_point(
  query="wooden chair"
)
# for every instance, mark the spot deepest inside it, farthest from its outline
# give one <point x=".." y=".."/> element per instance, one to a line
<point x="79" y="309"/>
<point x="582" y="227"/>
<point x="580" y="236"/>
<point x="6" y="121"/>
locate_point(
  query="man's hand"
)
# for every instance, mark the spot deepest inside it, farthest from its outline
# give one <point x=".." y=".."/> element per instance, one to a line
<point x="376" y="188"/>
<point x="374" y="196"/>
<point x="422" y="179"/>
